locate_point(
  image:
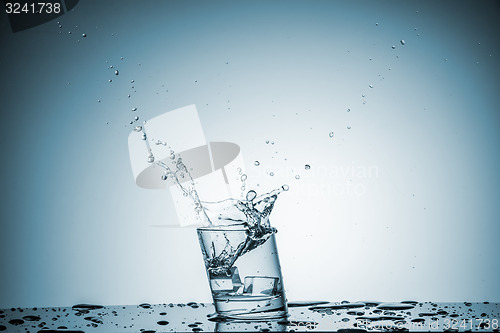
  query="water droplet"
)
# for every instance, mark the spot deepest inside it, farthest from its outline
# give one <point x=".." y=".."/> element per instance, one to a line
<point x="256" y="163"/>
<point x="348" y="127"/>
<point x="297" y="177"/>
<point x="132" y="81"/>
<point x="110" y="80"/>
<point x="393" y="47"/>
<point x="151" y="159"/>
<point x="267" y="141"/>
<point x="371" y="86"/>
<point x="243" y="177"/>
<point x="128" y="96"/>
<point x="285" y="187"/>
<point x="376" y="24"/>
<point x="60" y="26"/>
<point x="84" y="35"/>
<point x="251" y="195"/>
<point x="271" y="174"/>
<point x="117" y="72"/>
<point x="307" y="167"/>
<point x="402" y="41"/>
<point x="136" y="118"/>
<point x="134" y="109"/>
<point x="98" y="101"/>
<point x="164" y="177"/>
<point x="272" y="142"/>
<point x="138" y="129"/>
<point x="143" y="137"/>
<point x="69" y="32"/>
<point x="331" y="134"/>
<point x="348" y="110"/>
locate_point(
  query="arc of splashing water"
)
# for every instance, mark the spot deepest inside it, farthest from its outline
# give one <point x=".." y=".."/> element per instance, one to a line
<point x="214" y="166"/>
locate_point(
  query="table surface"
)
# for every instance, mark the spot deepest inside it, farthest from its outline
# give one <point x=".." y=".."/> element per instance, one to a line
<point x="303" y="316"/>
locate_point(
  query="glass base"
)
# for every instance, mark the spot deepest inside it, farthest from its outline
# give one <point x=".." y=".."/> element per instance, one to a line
<point x="250" y="307"/>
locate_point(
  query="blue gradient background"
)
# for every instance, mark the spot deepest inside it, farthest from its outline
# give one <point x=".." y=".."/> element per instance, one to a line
<point x="75" y="228"/>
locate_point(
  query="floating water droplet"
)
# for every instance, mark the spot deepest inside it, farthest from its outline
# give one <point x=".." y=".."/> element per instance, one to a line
<point x="371" y="86"/>
<point x="243" y="177"/>
<point x="307" y="167"/>
<point x="393" y="47"/>
<point x="151" y="159"/>
<point x="136" y="118"/>
<point x="256" y="163"/>
<point x="402" y="41"/>
<point x="267" y="141"/>
<point x="98" y="101"/>
<point x="348" y="127"/>
<point x="134" y="109"/>
<point x="132" y="81"/>
<point x="330" y="135"/>
<point x="110" y="80"/>
<point x="251" y="195"/>
<point x="138" y="128"/>
<point x="376" y="24"/>
<point x="117" y="72"/>
<point x="164" y="177"/>
<point x="84" y="35"/>
<point x="285" y="187"/>
<point x="69" y="32"/>
<point x="271" y="174"/>
<point x="272" y="142"/>
<point x="128" y="96"/>
<point x="348" y="110"/>
<point x="297" y="176"/>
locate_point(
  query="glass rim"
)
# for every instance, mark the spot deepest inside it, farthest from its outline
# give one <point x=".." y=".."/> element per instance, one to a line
<point x="229" y="227"/>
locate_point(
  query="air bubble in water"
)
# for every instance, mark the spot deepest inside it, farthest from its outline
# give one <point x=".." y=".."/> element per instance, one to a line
<point x="348" y="110"/>
<point x="307" y="167"/>
<point x="393" y="47"/>
<point x="164" y="177"/>
<point x="251" y="195"/>
<point x="136" y="118"/>
<point x="132" y="81"/>
<point x="402" y="41"/>
<point x="134" y="109"/>
<point x="117" y="72"/>
<point x="267" y="141"/>
<point x="331" y="134"/>
<point x="138" y="128"/>
<point x="143" y="137"/>
<point x="84" y="35"/>
<point x="256" y="163"/>
<point x="271" y="174"/>
<point x="151" y="158"/>
<point x="297" y="176"/>
<point x="243" y="177"/>
<point x="110" y="80"/>
<point x="371" y="85"/>
<point x="285" y="187"/>
<point x="348" y="127"/>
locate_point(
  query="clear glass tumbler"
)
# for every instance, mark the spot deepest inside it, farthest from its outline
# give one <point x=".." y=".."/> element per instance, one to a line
<point x="244" y="273"/>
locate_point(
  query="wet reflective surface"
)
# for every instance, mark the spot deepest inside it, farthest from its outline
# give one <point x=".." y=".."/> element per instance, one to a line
<point x="303" y="316"/>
